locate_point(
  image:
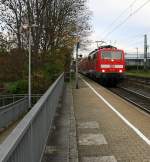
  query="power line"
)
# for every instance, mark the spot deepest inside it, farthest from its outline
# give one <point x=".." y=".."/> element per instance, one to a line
<point x="126" y="19"/>
<point x="138" y="36"/>
<point x="135" y="40"/>
<point x="122" y="13"/>
<point x="134" y="36"/>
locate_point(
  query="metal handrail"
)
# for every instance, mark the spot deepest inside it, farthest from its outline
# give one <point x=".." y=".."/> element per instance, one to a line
<point x="9" y="106"/>
<point x="27" y="141"/>
<point x="9" y="99"/>
<point x="23" y="94"/>
<point x="12" y="112"/>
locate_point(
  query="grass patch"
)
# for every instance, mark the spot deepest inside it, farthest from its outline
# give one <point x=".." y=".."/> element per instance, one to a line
<point x="140" y="73"/>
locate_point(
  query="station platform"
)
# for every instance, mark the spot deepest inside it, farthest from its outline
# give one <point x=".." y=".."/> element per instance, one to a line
<point x="94" y="125"/>
<point x="62" y="142"/>
<point x="109" y="129"/>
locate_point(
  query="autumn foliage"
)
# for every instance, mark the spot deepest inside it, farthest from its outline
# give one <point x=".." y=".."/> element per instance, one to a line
<point x="58" y="25"/>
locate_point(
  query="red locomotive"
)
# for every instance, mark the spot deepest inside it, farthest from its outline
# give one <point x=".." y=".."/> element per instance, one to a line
<point x="105" y="64"/>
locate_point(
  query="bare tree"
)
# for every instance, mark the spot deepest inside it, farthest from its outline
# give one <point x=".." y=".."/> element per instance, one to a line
<point x="56" y="20"/>
<point x="11" y="13"/>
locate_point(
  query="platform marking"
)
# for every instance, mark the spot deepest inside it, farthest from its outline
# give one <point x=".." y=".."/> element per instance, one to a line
<point x="92" y="139"/>
<point x="100" y="159"/>
<point x="88" y="125"/>
<point x="137" y="131"/>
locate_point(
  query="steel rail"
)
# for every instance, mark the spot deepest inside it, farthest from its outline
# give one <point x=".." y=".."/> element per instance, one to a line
<point x="142" y="80"/>
<point x="134" y="92"/>
<point x="136" y="103"/>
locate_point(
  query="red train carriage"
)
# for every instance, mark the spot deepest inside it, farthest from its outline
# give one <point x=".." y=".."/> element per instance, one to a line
<point x="106" y="64"/>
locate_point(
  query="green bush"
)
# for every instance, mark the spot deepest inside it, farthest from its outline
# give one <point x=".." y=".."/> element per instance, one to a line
<point x="17" y="87"/>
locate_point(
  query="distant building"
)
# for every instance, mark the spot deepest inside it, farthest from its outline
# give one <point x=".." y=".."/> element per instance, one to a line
<point x="133" y="59"/>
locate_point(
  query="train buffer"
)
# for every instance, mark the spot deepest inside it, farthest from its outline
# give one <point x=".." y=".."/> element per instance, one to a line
<point x="91" y="124"/>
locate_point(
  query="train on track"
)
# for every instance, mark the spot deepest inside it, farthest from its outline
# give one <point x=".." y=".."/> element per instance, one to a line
<point x="105" y="64"/>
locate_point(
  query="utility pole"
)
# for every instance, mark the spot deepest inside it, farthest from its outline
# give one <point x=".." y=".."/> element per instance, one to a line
<point x="137" y="58"/>
<point x="29" y="73"/>
<point x="77" y="49"/>
<point x="145" y="52"/>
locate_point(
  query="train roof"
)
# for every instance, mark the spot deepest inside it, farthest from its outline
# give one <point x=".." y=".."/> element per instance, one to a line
<point x="102" y="47"/>
<point x="93" y="51"/>
<point x="107" y="46"/>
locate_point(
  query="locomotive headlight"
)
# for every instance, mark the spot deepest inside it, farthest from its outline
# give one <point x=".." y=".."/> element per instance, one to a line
<point x="103" y="71"/>
<point x="120" y="71"/>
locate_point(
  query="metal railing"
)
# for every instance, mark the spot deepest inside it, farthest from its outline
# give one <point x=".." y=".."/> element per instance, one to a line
<point x="27" y="141"/>
<point x="11" y="112"/>
<point x="7" y="99"/>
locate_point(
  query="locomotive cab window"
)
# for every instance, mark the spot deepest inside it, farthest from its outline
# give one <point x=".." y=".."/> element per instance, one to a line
<point x="117" y="55"/>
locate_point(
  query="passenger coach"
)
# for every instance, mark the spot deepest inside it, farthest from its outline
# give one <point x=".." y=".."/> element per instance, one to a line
<point x="106" y="64"/>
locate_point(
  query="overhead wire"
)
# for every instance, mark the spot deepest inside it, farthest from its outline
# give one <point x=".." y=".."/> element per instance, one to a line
<point x="135" y="40"/>
<point x="122" y="13"/>
<point x="133" y="36"/>
<point x="139" y="39"/>
<point x="126" y="19"/>
<point x="137" y="36"/>
<point x="136" y="43"/>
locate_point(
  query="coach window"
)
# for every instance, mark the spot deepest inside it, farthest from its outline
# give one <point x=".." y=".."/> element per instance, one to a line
<point x="94" y="56"/>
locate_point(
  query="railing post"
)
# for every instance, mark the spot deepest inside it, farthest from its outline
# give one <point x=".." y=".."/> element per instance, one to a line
<point x="13" y="98"/>
<point x="3" y="101"/>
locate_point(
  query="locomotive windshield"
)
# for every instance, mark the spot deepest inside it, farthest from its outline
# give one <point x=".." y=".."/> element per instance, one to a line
<point x="117" y="55"/>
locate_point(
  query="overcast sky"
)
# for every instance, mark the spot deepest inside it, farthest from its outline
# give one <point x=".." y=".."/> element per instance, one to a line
<point x="128" y="36"/>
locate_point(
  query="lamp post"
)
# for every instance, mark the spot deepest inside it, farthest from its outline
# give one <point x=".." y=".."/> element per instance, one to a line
<point x="77" y="49"/>
<point x="26" y="26"/>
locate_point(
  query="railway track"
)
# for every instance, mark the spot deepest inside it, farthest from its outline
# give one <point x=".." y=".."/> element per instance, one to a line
<point x="136" y="98"/>
<point x="138" y="80"/>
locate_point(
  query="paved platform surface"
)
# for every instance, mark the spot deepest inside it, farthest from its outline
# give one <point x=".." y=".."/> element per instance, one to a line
<point x="94" y="125"/>
<point x="62" y="145"/>
<point x="103" y="135"/>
